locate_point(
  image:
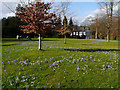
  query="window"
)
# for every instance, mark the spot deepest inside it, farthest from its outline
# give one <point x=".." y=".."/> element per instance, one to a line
<point x="80" y="33"/>
<point x="84" y="33"/>
<point x="73" y="33"/>
<point x="76" y="33"/>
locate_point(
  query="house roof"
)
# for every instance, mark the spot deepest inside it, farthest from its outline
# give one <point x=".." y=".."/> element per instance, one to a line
<point x="78" y="30"/>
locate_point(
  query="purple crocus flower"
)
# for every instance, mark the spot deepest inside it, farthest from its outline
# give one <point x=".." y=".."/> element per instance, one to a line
<point x="78" y="68"/>
<point x="17" y="78"/>
<point x="19" y="62"/>
<point x="113" y="68"/>
<point x="109" y="66"/>
<point x="33" y="78"/>
<point x="103" y="65"/>
<point x="37" y="61"/>
<point x="8" y="62"/>
<point x="23" y="76"/>
<point x="59" y="84"/>
<point x="12" y="61"/>
<point x="22" y="80"/>
<point x="57" y="61"/>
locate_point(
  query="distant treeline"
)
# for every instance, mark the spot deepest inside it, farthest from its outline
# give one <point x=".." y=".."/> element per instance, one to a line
<point x="10" y="28"/>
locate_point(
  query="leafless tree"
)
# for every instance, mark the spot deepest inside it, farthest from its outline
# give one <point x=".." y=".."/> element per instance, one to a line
<point x="108" y="6"/>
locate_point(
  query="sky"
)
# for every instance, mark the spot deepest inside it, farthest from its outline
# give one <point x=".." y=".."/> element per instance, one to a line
<point x="79" y="10"/>
<point x="83" y="9"/>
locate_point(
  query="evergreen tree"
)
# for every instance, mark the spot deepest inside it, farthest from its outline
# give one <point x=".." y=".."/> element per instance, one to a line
<point x="19" y="8"/>
<point x="71" y="22"/>
<point x="64" y="30"/>
<point x="59" y="20"/>
<point x="59" y="25"/>
<point x="64" y="22"/>
<point x="10" y="27"/>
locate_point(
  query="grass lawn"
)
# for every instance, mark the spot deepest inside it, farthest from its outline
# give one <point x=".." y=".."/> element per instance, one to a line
<point x="80" y="63"/>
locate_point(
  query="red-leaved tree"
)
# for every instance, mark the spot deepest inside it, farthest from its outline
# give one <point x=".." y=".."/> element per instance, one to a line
<point x="64" y="30"/>
<point x="38" y="18"/>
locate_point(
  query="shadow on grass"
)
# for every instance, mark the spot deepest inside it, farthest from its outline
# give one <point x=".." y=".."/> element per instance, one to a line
<point x="9" y="45"/>
<point x="5" y="39"/>
<point x="50" y="40"/>
<point x="92" y="50"/>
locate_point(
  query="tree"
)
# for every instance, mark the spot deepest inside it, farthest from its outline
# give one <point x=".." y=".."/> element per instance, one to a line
<point x="108" y="5"/>
<point x="71" y="22"/>
<point x="38" y="18"/>
<point x="96" y="24"/>
<point x="65" y="27"/>
<point x="19" y="8"/>
<point x="70" y="26"/>
<point x="10" y="27"/>
<point x="59" y="25"/>
<point x="59" y="20"/>
<point x="65" y="22"/>
<point x="64" y="30"/>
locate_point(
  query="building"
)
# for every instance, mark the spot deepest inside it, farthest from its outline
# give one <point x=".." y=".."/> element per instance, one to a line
<point x="81" y="33"/>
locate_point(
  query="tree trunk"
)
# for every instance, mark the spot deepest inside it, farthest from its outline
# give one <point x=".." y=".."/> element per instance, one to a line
<point x="39" y="42"/>
<point x="108" y="35"/>
<point x="65" y="39"/>
<point x="111" y="13"/>
<point x="108" y="24"/>
<point x="96" y="34"/>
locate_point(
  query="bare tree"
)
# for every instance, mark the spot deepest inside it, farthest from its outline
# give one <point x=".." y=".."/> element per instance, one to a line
<point x="63" y="9"/>
<point x="96" y="24"/>
<point x="108" y="6"/>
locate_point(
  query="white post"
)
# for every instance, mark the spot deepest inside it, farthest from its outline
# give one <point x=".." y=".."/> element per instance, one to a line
<point x="17" y="37"/>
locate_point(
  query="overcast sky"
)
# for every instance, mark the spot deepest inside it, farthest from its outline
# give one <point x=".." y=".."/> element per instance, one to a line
<point x="80" y="8"/>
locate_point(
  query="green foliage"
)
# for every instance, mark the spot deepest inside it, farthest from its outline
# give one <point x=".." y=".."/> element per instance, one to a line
<point x="23" y="66"/>
<point x="65" y="22"/>
<point x="59" y="25"/>
<point x="59" y="20"/>
<point x="10" y="27"/>
<point x="71" y="22"/>
<point x="19" y="8"/>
